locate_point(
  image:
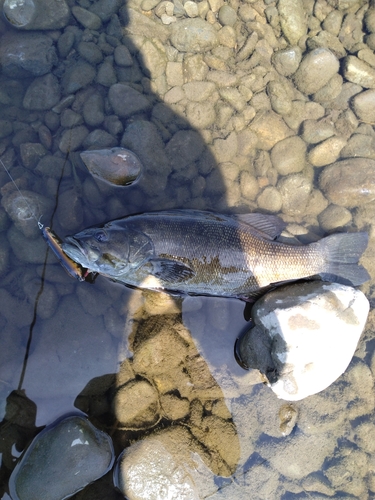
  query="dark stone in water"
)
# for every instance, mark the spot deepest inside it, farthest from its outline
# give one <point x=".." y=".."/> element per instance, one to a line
<point x="64" y="458"/>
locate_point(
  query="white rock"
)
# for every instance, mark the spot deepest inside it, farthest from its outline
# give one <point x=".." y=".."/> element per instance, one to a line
<point x="314" y="330"/>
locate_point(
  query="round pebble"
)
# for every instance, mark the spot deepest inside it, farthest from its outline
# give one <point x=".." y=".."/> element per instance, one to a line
<point x="227" y="15"/>
<point x="288" y="156"/>
<point x="315" y="70"/>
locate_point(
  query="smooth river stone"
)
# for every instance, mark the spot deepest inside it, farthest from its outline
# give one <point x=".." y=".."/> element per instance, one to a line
<point x="292" y="19"/>
<point x="315" y="70"/>
<point x="194" y="35"/>
<point x="310" y="333"/>
<point x="37" y="14"/>
<point x="116" y="166"/>
<point x="64" y="458"/>
<point x="349" y="183"/>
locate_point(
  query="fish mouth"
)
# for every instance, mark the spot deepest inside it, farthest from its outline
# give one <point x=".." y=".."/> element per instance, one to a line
<point x="74" y="249"/>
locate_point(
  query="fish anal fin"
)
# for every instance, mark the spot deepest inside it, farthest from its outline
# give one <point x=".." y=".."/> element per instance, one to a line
<point x="170" y="270"/>
<point x="270" y="226"/>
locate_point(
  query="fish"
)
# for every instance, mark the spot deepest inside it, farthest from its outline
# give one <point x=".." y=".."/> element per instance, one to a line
<point x="198" y="252"/>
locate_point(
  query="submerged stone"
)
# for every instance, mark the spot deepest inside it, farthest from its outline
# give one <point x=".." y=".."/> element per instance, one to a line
<point x="349" y="183"/>
<point x="62" y="459"/>
<point x="305" y="336"/>
<point x="37" y="15"/>
<point x="116" y="166"/>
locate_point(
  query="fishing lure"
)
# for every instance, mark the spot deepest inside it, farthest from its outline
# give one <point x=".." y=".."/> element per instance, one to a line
<point x="54" y="243"/>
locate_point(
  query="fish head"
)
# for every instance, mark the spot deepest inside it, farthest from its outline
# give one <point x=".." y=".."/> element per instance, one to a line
<point x="109" y="250"/>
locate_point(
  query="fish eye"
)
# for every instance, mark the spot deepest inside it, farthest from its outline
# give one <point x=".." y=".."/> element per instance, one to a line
<point x="101" y="236"/>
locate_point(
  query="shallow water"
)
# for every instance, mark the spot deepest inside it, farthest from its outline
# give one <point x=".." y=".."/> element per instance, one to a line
<point x="68" y="345"/>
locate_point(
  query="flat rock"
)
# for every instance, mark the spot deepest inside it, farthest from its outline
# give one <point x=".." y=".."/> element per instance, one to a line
<point x="62" y="459"/>
<point x="310" y="333"/>
<point x="40" y="15"/>
<point x="170" y="464"/>
<point x="315" y="70"/>
<point x="270" y="128"/>
<point x="26" y="54"/>
<point x="363" y="105"/>
<point x="77" y="76"/>
<point x="292" y="19"/>
<point x="349" y="183"/>
<point x="116" y="166"/>
<point x="359" y="72"/>
<point x="194" y="35"/>
<point x="288" y="156"/>
<point x="127" y="101"/>
<point x="43" y="93"/>
<point x="327" y="151"/>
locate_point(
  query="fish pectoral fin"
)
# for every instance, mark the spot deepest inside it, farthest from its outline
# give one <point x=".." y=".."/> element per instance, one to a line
<point x="170" y="270"/>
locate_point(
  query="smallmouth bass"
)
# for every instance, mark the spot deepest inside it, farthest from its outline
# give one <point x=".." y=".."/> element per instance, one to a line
<point x="203" y="253"/>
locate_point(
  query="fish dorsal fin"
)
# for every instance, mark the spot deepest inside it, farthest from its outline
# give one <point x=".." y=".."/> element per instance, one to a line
<point x="170" y="270"/>
<point x="270" y="226"/>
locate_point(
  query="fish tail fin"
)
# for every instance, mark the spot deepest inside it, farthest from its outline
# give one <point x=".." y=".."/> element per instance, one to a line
<point x="343" y="251"/>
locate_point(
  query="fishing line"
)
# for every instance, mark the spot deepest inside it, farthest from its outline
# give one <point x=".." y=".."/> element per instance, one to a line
<point x="47" y="234"/>
<point x="40" y="225"/>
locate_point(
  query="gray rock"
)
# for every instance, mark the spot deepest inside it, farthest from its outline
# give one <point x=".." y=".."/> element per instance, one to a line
<point x="359" y="72"/>
<point x="25" y="213"/>
<point x="227" y="15"/>
<point x="136" y="405"/>
<point x="118" y="166"/>
<point x="349" y="183"/>
<point x="77" y="76"/>
<point x="26" y="54"/>
<point x="69" y="210"/>
<point x="286" y="61"/>
<point x="330" y="90"/>
<point x="303" y="325"/>
<point x="185" y="147"/>
<point x="292" y="19"/>
<point x="144" y="140"/>
<point x="37" y="15"/>
<point x="90" y="51"/>
<point x="166" y="464"/>
<point x="93" y="110"/>
<point x="359" y="145"/>
<point x="370" y="20"/>
<point x="31" y="153"/>
<point x="26" y="250"/>
<point x="326" y="152"/>
<point x="43" y="93"/>
<point x="332" y="23"/>
<point x="136" y="23"/>
<point x="105" y="9"/>
<point x="334" y="217"/>
<point x="6" y="128"/>
<point x="315" y="70"/>
<point x="65" y="43"/>
<point x="288" y="156"/>
<point x="88" y="19"/>
<point x="193" y="35"/>
<point x="70" y="119"/>
<point x="314" y="131"/>
<point x="363" y="105"/>
<point x="126" y="101"/>
<point x="72" y="139"/>
<point x="99" y="138"/>
<point x="270" y="128"/>
<point x="106" y="74"/>
<point x="270" y="200"/>
<point x="295" y="190"/>
<point x="62" y="459"/>
<point x="122" y="56"/>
